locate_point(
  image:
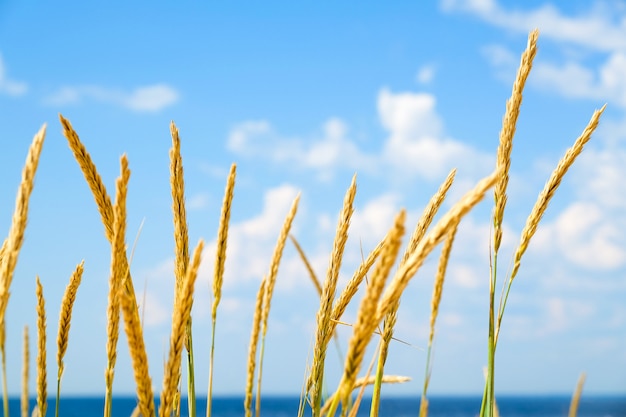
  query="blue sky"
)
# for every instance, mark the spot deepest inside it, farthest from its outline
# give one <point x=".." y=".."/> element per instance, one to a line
<point x="302" y="96"/>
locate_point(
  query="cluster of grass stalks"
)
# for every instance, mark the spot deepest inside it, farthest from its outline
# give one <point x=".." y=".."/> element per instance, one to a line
<point x="388" y="274"/>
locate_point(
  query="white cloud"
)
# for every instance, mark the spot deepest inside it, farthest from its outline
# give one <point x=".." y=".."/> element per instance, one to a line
<point x="576" y="81"/>
<point x="8" y="86"/>
<point x="322" y="153"/>
<point x="251" y="242"/>
<point x="586" y="236"/>
<point x="602" y="28"/>
<point x="416" y="143"/>
<point x="372" y="222"/>
<point x="142" y="99"/>
<point x="198" y="201"/>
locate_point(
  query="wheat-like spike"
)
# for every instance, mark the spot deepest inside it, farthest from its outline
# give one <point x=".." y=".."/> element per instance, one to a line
<point x="25" y="373"/>
<point x="339" y="307"/>
<point x="324" y="315"/>
<point x="573" y="408"/>
<point x="439" y="280"/>
<point x="364" y="327"/>
<point x="180" y="317"/>
<point x="507" y="133"/>
<point x="276" y="257"/>
<point x="222" y="236"/>
<point x="307" y="264"/>
<point x="119" y="269"/>
<point x="137" y="348"/>
<point x="254" y="340"/>
<point x="408" y="269"/>
<point x="18" y="223"/>
<point x="181" y="234"/>
<point x="103" y="201"/>
<point x="428" y="215"/>
<point x="65" y="316"/>
<point x="42" y="386"/>
<point x="550" y="188"/>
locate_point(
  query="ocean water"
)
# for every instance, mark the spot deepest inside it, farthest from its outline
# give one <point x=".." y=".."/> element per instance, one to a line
<point x="518" y="406"/>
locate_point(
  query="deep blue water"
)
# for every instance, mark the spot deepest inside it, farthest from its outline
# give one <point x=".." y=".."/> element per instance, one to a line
<point x="535" y="406"/>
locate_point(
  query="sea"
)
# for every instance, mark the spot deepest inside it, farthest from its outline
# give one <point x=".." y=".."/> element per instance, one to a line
<point x="509" y="406"/>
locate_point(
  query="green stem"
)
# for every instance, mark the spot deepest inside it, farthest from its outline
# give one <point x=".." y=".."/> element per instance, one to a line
<point x="209" y="397"/>
<point x="56" y="411"/>
<point x="378" y="382"/>
<point x="191" y="383"/>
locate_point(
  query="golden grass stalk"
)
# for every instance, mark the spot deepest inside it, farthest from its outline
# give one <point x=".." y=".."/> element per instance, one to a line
<point x="132" y="324"/>
<point x="434" y="306"/>
<point x="307" y="264"/>
<point x="254" y="341"/>
<point x="339" y="307"/>
<point x="182" y="312"/>
<point x="408" y="269"/>
<point x="134" y="334"/>
<point x="103" y="201"/>
<point x="25" y="373"/>
<point x="387" y="336"/>
<point x="218" y="275"/>
<point x="550" y="188"/>
<point x="65" y="318"/>
<point x="18" y="223"/>
<point x="503" y="163"/>
<point x="423" y="407"/>
<point x="324" y="317"/>
<point x="371" y="380"/>
<point x="428" y="215"/>
<point x="573" y="408"/>
<point x="42" y="385"/>
<point x="118" y="272"/>
<point x="181" y="262"/>
<point x="507" y="133"/>
<point x="364" y="326"/>
<point x="269" y="291"/>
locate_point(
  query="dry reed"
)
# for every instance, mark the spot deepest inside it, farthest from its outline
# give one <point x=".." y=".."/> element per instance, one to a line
<point x="324" y="317"/>
<point x="25" y="374"/>
<point x="509" y="122"/>
<point x="550" y="188"/>
<point x="181" y="234"/>
<point x="254" y="341"/>
<point x="18" y="223"/>
<point x="180" y="317"/>
<point x="364" y="326"/>
<point x="118" y="271"/>
<point x="132" y="325"/>
<point x="42" y="385"/>
<point x="218" y="274"/>
<point x="307" y="265"/>
<point x="431" y="209"/>
<point x="407" y="270"/>
<point x="65" y="315"/>
<point x="439" y="280"/>
<point x="222" y="237"/>
<point x="573" y="408"/>
<point x="103" y="201"/>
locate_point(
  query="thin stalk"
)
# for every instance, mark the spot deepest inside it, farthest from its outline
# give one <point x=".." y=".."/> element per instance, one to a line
<point x="211" y="364"/>
<point x="378" y="382"/>
<point x="56" y="407"/>
<point x="5" y="394"/>
<point x="257" y="404"/>
<point x="191" y="382"/>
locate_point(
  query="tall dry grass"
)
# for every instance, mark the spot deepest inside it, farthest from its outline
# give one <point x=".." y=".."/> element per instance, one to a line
<point x="376" y="312"/>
